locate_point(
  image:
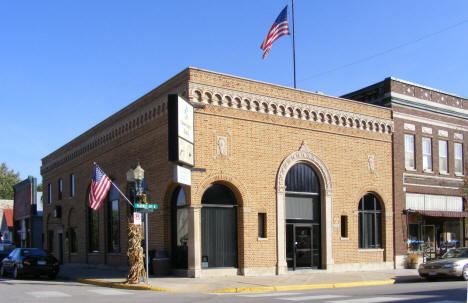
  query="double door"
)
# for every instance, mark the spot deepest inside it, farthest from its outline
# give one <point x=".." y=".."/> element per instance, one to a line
<point x="303" y="245"/>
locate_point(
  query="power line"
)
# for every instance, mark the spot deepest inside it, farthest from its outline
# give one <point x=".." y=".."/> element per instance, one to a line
<point x="427" y="36"/>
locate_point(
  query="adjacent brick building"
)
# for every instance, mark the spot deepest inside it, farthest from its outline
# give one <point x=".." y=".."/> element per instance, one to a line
<point x="429" y="149"/>
<point x="282" y="179"/>
<point x="27" y="214"/>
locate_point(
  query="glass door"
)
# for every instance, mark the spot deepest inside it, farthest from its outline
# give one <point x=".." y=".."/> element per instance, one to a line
<point x="303" y="256"/>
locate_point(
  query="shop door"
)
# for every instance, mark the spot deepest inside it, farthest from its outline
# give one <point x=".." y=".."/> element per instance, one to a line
<point x="302" y="245"/>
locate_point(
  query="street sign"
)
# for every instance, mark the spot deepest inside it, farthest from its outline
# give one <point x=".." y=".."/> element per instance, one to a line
<point x="146" y="206"/>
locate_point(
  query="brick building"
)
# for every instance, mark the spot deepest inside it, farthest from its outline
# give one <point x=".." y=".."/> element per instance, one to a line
<point x="429" y="148"/>
<point x="27" y="214"/>
<point x="282" y="179"/>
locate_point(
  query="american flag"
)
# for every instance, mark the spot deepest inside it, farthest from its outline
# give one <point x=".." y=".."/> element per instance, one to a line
<point x="279" y="28"/>
<point x="99" y="188"/>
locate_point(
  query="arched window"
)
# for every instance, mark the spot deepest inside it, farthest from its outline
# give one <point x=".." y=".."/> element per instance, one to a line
<point x="179" y="229"/>
<point x="114" y="219"/>
<point x="370" y="222"/>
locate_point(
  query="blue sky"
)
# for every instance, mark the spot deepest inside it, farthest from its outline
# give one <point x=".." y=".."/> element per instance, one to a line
<point x="67" y="65"/>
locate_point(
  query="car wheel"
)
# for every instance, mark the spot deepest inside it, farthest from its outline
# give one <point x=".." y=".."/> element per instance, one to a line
<point x="465" y="273"/>
<point x="16" y="273"/>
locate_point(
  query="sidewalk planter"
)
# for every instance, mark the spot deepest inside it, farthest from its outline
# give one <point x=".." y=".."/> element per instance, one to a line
<point x="412" y="261"/>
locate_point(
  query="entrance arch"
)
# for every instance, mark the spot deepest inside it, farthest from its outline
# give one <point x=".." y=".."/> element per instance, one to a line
<point x="303" y="155"/>
<point x="219" y="227"/>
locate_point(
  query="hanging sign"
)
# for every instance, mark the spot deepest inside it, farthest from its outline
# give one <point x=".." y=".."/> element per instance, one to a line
<point x="180" y="115"/>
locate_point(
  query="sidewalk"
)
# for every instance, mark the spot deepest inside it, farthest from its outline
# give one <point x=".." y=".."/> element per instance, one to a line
<point x="115" y="277"/>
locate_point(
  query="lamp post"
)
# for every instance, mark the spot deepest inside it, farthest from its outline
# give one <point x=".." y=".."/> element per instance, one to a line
<point x="136" y="177"/>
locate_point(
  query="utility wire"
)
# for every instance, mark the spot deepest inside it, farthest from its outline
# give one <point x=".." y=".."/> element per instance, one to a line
<point x="385" y="51"/>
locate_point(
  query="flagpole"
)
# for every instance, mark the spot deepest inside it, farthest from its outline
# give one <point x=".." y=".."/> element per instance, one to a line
<point x="121" y="193"/>
<point x="294" y="44"/>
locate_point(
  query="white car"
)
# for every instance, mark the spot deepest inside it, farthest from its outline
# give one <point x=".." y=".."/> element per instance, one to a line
<point x="454" y="263"/>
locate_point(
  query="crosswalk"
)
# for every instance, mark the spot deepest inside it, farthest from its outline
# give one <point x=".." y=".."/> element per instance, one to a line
<point x="333" y="298"/>
<point x="59" y="294"/>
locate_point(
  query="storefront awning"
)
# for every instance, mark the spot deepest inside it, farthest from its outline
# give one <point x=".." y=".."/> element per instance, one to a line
<point x="439" y="213"/>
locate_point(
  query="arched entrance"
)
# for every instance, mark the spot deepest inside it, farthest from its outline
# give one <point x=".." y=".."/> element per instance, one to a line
<point x="319" y="219"/>
<point x="303" y="217"/>
<point x="219" y="227"/>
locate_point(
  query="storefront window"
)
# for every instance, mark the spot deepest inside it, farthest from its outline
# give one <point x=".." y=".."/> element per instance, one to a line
<point x="433" y="235"/>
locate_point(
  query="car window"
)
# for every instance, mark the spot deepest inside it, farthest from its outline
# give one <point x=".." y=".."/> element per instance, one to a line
<point x="33" y="252"/>
<point x="456" y="253"/>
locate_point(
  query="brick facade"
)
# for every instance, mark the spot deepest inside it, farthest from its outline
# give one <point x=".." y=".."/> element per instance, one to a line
<point x="267" y="129"/>
<point x="421" y="112"/>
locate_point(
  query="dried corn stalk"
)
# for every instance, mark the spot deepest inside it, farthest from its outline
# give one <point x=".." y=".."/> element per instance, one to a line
<point x="135" y="254"/>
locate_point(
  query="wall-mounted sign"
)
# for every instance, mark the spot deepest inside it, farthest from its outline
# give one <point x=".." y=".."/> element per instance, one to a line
<point x="182" y="175"/>
<point x="185" y="119"/>
<point x="185" y="152"/>
<point x="180" y="115"/>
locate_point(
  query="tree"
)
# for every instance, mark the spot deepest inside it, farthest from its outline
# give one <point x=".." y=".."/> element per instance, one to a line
<point x="8" y="178"/>
<point x="39" y="187"/>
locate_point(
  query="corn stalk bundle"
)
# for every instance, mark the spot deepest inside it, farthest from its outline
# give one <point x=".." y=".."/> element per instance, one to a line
<point x="135" y="254"/>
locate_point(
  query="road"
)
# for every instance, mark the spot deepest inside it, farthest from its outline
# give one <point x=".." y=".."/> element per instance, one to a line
<point x="26" y="290"/>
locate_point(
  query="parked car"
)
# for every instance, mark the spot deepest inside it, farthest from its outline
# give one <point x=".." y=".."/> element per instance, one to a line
<point x="5" y="249"/>
<point x="454" y="263"/>
<point x="29" y="261"/>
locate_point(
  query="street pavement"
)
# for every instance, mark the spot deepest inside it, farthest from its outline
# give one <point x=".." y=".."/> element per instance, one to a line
<point x="115" y="277"/>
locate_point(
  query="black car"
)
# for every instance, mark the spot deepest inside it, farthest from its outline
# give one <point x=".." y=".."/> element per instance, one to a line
<point x="29" y="261"/>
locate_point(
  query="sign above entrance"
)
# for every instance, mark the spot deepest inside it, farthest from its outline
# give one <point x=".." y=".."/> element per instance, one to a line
<point x="182" y="175"/>
<point x="180" y="115"/>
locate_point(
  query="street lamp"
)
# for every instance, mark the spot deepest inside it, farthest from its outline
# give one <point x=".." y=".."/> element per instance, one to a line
<point x="136" y="176"/>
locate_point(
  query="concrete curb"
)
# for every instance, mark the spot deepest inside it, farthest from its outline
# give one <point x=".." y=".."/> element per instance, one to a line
<point x="240" y="289"/>
<point x="302" y="287"/>
<point x="124" y="285"/>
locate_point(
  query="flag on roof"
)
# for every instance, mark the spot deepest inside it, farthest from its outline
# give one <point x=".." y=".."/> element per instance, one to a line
<point x="99" y="188"/>
<point x="279" y="28"/>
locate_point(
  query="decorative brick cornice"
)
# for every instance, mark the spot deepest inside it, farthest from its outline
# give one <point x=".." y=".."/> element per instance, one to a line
<point x="135" y="116"/>
<point x="217" y="96"/>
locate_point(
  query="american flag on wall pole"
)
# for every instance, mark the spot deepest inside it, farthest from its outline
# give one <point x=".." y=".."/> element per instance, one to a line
<point x="99" y="188"/>
<point x="279" y="28"/>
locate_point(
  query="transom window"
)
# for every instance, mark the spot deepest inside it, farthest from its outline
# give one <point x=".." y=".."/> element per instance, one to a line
<point x="370" y="222"/>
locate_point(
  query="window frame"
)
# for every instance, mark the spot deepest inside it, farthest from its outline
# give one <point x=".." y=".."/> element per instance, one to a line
<point x="458" y="147"/>
<point x="262" y="222"/>
<point x="443" y="159"/>
<point x="373" y="218"/>
<point x="49" y="193"/>
<point x="427" y="155"/>
<point x="409" y="154"/>
<point x="72" y="185"/>
<point x="60" y="189"/>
